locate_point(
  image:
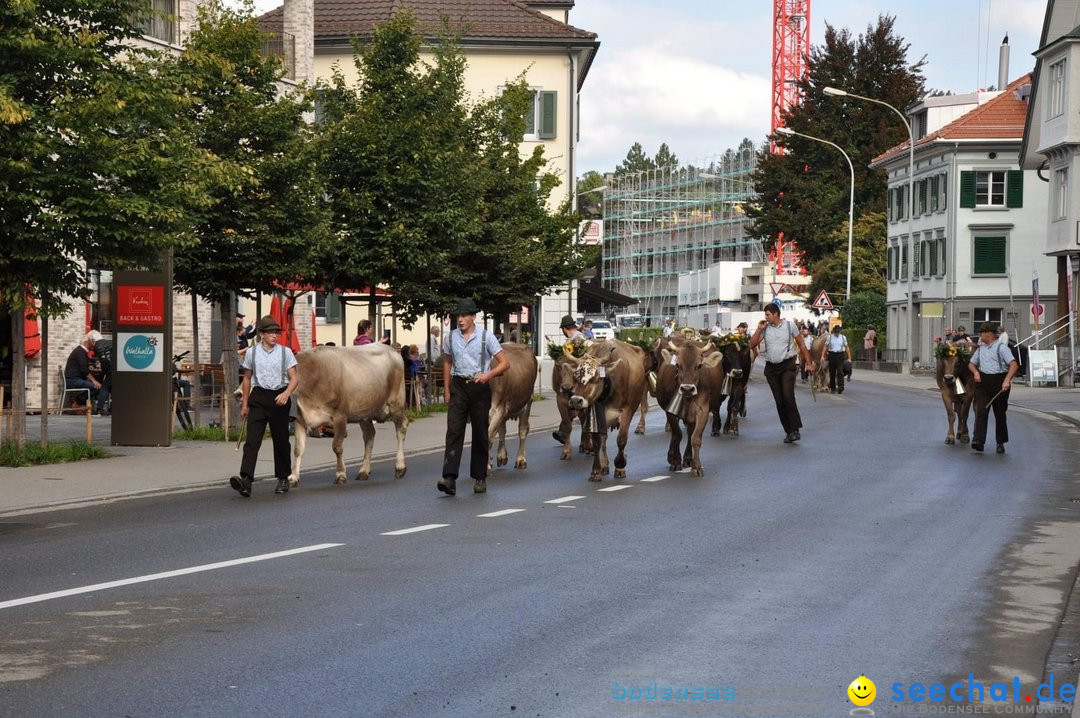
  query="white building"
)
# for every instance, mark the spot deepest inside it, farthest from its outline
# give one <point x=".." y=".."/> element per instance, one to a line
<point x="978" y="222"/>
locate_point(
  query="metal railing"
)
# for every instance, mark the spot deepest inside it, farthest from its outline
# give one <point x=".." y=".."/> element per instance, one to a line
<point x="282" y="45"/>
<point x="159" y="21"/>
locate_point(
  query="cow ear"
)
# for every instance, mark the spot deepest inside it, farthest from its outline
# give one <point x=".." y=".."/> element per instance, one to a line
<point x="665" y="356"/>
<point x="712" y="360"/>
<point x="610" y="366"/>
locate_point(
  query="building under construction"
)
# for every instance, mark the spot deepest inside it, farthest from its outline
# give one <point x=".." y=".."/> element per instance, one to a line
<point x="661" y="223"/>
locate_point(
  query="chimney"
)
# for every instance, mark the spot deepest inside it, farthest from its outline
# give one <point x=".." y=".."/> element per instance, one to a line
<point x="1003" y="65"/>
<point x="299" y="21"/>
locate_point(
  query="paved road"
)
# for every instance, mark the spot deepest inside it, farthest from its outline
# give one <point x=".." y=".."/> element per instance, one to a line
<point x="786" y="572"/>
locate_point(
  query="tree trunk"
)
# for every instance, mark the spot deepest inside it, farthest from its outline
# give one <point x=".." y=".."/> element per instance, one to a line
<point x="18" y="377"/>
<point x="196" y="376"/>
<point x="44" y="380"/>
<point x="229" y="361"/>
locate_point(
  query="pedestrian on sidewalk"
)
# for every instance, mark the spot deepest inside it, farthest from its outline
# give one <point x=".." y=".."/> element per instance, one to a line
<point x="77" y="374"/>
<point x="472" y="357"/>
<point x="869" y="343"/>
<point x="993" y="367"/>
<point x="270" y="378"/>
<point x="781" y="339"/>
<point x="838" y="352"/>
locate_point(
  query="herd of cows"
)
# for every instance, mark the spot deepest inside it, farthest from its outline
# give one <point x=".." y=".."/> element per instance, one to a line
<point x="601" y="385"/>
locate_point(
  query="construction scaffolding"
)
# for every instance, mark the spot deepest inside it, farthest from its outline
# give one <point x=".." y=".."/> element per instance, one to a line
<point x="661" y="223"/>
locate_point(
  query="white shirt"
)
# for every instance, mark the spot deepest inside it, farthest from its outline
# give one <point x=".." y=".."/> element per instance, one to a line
<point x="268" y="369"/>
<point x="777" y="341"/>
<point x="837" y="342"/>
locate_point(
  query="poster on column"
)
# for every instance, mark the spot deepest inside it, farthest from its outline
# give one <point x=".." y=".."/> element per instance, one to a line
<point x="140" y="352"/>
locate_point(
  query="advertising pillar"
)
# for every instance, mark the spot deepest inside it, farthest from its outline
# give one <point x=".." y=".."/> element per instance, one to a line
<point x="142" y="359"/>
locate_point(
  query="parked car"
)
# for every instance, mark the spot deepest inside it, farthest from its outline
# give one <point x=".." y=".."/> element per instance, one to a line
<point x="602" y="329"/>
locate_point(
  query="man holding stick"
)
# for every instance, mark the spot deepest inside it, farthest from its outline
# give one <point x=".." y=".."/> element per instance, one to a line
<point x="993" y="367"/>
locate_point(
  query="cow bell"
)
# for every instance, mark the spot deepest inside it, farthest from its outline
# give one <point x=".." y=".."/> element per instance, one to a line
<point x="959" y="385"/>
<point x="678" y="405"/>
<point x="726" y="388"/>
<point x="652" y="382"/>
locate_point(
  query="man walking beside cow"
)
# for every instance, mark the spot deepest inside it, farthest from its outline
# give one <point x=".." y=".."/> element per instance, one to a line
<point x="780" y="339"/>
<point x="471" y="358"/>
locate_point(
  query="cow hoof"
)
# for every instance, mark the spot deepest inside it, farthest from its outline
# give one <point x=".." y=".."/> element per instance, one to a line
<point x="714" y="432"/>
<point x="620" y="473"/>
<point x="294" y="481"/>
<point x="361" y="476"/>
<point x="340" y="479"/>
<point x="501" y="461"/>
<point x="594" y="477"/>
<point x="521" y="464"/>
<point x="697" y="472"/>
<point x="399" y="472"/>
<point x="964" y="439"/>
<point x="950" y="440"/>
<point x="565" y="456"/>
<point x="639" y="430"/>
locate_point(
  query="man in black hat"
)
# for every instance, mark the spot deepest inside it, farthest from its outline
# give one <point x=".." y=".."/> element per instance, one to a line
<point x="570" y="329"/>
<point x="993" y="366"/>
<point x="471" y="358"/>
<point x="270" y="379"/>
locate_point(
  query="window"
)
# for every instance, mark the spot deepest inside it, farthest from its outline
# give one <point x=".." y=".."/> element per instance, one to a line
<point x="985" y="314"/>
<point x="1061" y="195"/>
<point x="930" y="251"/>
<point x="933" y="192"/>
<point x="942" y="256"/>
<point x="159" y="21"/>
<point x="992" y="188"/>
<point x="1055" y="101"/>
<point x="903" y="259"/>
<point x="540" y="120"/>
<point x="921" y="189"/>
<point x="989" y="256"/>
<point x="100" y="300"/>
<point x="944" y="190"/>
<point x="328" y="307"/>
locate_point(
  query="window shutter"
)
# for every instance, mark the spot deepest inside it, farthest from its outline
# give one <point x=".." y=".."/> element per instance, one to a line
<point x="892" y="205"/>
<point x="333" y="308"/>
<point x="1014" y="188"/>
<point x="944" y="257"/>
<point x="922" y="196"/>
<point x="967" y="189"/>
<point x="933" y="251"/>
<point x="889" y="264"/>
<point x="548" y="106"/>
<point x="989" y="255"/>
<point x="944" y="191"/>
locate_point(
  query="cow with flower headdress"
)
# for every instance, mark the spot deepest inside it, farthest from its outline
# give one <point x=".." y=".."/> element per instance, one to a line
<point x="957" y="385"/>
<point x="733" y="376"/>
<point x="562" y="384"/>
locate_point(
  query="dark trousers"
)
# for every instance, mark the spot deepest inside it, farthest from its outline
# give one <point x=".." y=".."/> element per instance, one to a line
<point x="836" y="370"/>
<point x="781" y="378"/>
<point x="262" y="410"/>
<point x="98" y="397"/>
<point x="984" y="392"/>
<point x="468" y="401"/>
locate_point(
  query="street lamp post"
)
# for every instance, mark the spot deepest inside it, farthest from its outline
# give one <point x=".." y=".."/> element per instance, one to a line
<point x="851" y="198"/>
<point x="834" y="92"/>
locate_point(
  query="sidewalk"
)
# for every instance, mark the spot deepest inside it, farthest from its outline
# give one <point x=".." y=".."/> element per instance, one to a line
<point x="194" y="465"/>
<point x="134" y="471"/>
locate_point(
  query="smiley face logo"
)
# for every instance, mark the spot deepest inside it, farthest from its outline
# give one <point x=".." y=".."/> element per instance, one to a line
<point x="862" y="691"/>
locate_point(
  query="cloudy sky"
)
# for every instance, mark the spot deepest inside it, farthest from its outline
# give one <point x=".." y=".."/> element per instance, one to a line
<point x="696" y="73"/>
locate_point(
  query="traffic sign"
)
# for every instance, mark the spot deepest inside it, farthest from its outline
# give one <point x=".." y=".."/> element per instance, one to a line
<point x="823" y="301"/>
<point x="776" y="287"/>
<point x="1037" y="309"/>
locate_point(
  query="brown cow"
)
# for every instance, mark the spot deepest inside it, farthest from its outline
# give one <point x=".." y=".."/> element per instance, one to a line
<point x="952" y="372"/>
<point x="819" y="380"/>
<point x="609" y="382"/>
<point x="337" y="385"/>
<point x="511" y="398"/>
<point x="683" y="383"/>
<point x="562" y="383"/>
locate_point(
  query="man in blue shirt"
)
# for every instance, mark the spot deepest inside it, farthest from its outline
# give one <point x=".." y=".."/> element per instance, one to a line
<point x="993" y="367"/>
<point x="838" y="351"/>
<point x="472" y="357"/>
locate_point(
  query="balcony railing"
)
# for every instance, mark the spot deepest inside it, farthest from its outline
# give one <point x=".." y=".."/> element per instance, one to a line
<point x="282" y="45"/>
<point x="159" y="21"/>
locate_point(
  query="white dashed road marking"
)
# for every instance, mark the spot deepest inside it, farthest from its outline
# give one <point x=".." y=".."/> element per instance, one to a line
<point x="165" y="574"/>
<point x="414" y="529"/>
<point x="654" y="478"/>
<point x="496" y="514"/>
<point x="618" y="487"/>
<point x="564" y="499"/>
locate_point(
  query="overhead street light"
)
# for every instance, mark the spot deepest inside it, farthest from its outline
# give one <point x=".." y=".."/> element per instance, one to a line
<point x="835" y="92"/>
<point x="851" y="198"/>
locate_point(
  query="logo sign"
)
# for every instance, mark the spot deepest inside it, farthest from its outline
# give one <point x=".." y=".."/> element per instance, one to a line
<point x="140" y="305"/>
<point x="591" y="231"/>
<point x="140" y="352"/>
<point x="823" y="301"/>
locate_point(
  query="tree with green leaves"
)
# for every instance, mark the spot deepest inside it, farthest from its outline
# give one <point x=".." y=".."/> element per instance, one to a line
<point x="636" y="161"/>
<point x="867" y="269"/>
<point x="590" y="193"/>
<point x="863" y="310"/>
<point x="95" y="170"/>
<point x="260" y="232"/>
<point x="665" y="158"/>
<point x="804" y="192"/>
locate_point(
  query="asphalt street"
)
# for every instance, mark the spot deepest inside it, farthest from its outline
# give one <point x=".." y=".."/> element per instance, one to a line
<point x="787" y="571"/>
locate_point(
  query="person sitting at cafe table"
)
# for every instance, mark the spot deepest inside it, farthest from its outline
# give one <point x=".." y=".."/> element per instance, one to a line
<point x="77" y="374"/>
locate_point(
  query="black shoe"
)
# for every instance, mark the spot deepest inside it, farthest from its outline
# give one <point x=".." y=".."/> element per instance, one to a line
<point x="789" y="439"/>
<point x="241" y="484"/>
<point x="282" y="486"/>
<point x="479" y="486"/>
<point x="795" y="435"/>
<point x="1001" y="448"/>
<point x="839" y="391"/>
<point x="447" y="485"/>
<point x="976" y="446"/>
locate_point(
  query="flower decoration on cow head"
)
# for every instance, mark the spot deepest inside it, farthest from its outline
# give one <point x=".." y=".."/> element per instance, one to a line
<point x="741" y="341"/>
<point x="946" y="350"/>
<point x="575" y="348"/>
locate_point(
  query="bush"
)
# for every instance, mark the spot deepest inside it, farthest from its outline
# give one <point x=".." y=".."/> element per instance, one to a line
<point x="12" y="454"/>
